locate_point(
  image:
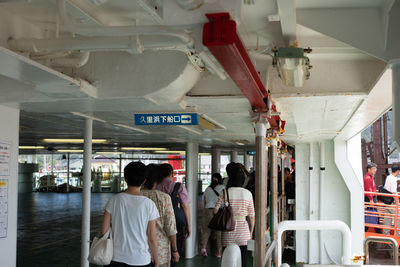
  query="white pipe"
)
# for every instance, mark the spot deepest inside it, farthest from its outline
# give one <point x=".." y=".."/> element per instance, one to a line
<point x="190" y="4"/>
<point x="318" y="225"/>
<point x="211" y="66"/>
<point x="89" y="30"/>
<point x="124" y="43"/>
<point x="130" y="44"/>
<point x="321" y="196"/>
<point x="192" y="170"/>
<point x="87" y="164"/>
<point x="77" y="60"/>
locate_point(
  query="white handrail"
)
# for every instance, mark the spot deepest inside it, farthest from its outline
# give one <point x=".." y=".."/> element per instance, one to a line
<point x="317" y="225"/>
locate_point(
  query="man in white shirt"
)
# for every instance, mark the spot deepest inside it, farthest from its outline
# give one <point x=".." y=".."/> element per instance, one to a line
<point x="391" y="186"/>
<point x="391" y="180"/>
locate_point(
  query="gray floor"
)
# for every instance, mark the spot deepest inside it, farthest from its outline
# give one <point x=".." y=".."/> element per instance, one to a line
<point x="49" y="226"/>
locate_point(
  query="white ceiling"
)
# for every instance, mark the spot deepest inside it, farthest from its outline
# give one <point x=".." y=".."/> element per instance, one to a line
<point x="341" y="79"/>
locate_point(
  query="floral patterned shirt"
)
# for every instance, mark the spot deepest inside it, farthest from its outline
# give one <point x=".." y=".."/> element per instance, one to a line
<point x="165" y="225"/>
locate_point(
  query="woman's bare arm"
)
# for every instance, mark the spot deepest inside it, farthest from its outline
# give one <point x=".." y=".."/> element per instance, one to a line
<point x="152" y="239"/>
<point x="105" y="225"/>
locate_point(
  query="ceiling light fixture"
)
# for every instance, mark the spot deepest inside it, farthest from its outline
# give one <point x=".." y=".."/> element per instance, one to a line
<point x="110" y="153"/>
<point x="143" y="148"/>
<point x="171" y="152"/>
<point x="31" y="147"/>
<point x="187" y="128"/>
<point x="70" y="150"/>
<point x="131" y="128"/>
<point x="293" y="67"/>
<point x="73" y="141"/>
<point x="87" y="116"/>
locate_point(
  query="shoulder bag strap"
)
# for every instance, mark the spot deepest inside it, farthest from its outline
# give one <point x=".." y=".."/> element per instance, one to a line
<point x="215" y="191"/>
<point x="175" y="191"/>
<point x="227" y="196"/>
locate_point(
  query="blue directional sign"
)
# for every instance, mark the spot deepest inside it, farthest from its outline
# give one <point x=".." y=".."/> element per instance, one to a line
<point x="251" y="152"/>
<point x="167" y="119"/>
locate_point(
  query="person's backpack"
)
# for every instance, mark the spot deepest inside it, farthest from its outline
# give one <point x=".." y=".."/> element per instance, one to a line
<point x="385" y="199"/>
<point x="178" y="209"/>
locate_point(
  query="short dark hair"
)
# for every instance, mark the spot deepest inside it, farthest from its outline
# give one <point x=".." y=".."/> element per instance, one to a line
<point x="165" y="170"/>
<point x="135" y="173"/>
<point x="371" y="165"/>
<point x="236" y="175"/>
<point x="287" y="170"/>
<point x="217" y="182"/>
<point x="395" y="168"/>
<point x="153" y="175"/>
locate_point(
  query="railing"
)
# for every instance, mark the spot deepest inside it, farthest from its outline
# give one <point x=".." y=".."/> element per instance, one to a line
<point x="378" y="239"/>
<point x="384" y="218"/>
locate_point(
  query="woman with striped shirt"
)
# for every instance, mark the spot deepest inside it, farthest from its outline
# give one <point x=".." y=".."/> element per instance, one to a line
<point x="242" y="205"/>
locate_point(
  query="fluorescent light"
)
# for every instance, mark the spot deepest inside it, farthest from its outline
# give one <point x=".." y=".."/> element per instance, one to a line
<point x="31" y="147"/>
<point x="189" y="129"/>
<point x="205" y="154"/>
<point x="143" y="148"/>
<point x="171" y="152"/>
<point x="70" y="150"/>
<point x="87" y="116"/>
<point x="131" y="128"/>
<point x="110" y="153"/>
<point x="72" y="141"/>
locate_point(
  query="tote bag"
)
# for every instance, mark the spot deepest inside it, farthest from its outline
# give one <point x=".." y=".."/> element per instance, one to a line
<point x="223" y="220"/>
<point x="101" y="250"/>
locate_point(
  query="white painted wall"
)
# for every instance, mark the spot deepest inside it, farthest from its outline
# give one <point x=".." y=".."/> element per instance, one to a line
<point x="314" y="247"/>
<point x="335" y="205"/>
<point x="355" y="157"/>
<point x="302" y="196"/>
<point x="355" y="188"/>
<point x="9" y="119"/>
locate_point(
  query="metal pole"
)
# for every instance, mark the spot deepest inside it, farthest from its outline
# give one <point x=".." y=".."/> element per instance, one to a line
<point x="283" y="187"/>
<point x="246" y="160"/>
<point x="321" y="197"/>
<point x="274" y="191"/>
<point x="261" y="193"/>
<point x="216" y="160"/>
<point x="87" y="164"/>
<point x="120" y="173"/>
<point x="68" y="162"/>
<point x="234" y="156"/>
<point x="192" y="154"/>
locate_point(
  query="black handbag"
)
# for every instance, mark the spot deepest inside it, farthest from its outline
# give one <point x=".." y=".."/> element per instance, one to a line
<point x="385" y="199"/>
<point x="223" y="220"/>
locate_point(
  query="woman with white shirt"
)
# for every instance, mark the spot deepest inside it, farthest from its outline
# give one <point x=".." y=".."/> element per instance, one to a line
<point x="210" y="198"/>
<point x="133" y="219"/>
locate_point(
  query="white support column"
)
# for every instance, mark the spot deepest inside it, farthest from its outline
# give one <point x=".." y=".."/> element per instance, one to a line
<point x="321" y="197"/>
<point x="87" y="164"/>
<point x="246" y="160"/>
<point x="261" y="193"/>
<point x="216" y="160"/>
<point x="356" y="192"/>
<point x="274" y="191"/>
<point x="9" y="133"/>
<point x="68" y="163"/>
<point x="234" y="156"/>
<point x="302" y="196"/>
<point x="313" y="236"/>
<point x="192" y="152"/>
<point x="395" y="101"/>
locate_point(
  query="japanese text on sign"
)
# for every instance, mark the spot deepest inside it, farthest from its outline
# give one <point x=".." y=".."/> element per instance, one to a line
<point x="3" y="208"/>
<point x="5" y="159"/>
<point x="167" y="119"/>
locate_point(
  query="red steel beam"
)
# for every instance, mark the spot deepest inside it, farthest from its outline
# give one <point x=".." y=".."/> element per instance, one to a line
<point x="223" y="41"/>
<point x="221" y="38"/>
